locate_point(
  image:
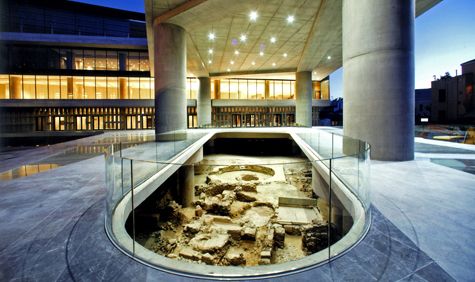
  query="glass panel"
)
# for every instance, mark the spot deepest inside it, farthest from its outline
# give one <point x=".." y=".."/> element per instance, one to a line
<point x="233" y="89"/>
<point x="316" y="90"/>
<point x="261" y="89"/>
<point x="271" y="90"/>
<point x="78" y="87"/>
<point x="278" y="90"/>
<point x="112" y="60"/>
<point x="41" y="87"/>
<point x="101" y="62"/>
<point x="194" y="88"/>
<point x="89" y="60"/>
<point x="112" y="88"/>
<point x="4" y="87"/>
<point x="224" y="88"/>
<point x="29" y="89"/>
<point x="65" y="58"/>
<point x="53" y="58"/>
<point x="133" y="61"/>
<point x="78" y="59"/>
<point x="89" y="87"/>
<point x="292" y="89"/>
<point x="134" y="87"/>
<point x="287" y="90"/>
<point x="251" y="89"/>
<point x="144" y="65"/>
<point x="243" y="89"/>
<point x="325" y="90"/>
<point x="144" y="88"/>
<point x="54" y="87"/>
<point x="101" y="88"/>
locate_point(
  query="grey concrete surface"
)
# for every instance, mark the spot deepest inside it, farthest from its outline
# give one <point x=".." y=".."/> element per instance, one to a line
<point x="53" y="224"/>
<point x="303" y="99"/>
<point x="203" y="103"/>
<point x="378" y="76"/>
<point x="170" y="78"/>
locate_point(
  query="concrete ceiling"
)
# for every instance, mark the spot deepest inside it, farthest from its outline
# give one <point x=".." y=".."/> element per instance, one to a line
<point x="311" y="43"/>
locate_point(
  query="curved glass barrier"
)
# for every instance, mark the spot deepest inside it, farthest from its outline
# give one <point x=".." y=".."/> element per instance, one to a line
<point x="193" y="206"/>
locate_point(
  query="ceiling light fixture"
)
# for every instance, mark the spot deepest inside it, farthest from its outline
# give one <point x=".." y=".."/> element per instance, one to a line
<point x="253" y="63"/>
<point x="210" y="51"/>
<point x="228" y="70"/>
<point x="261" y="53"/>
<point x="211" y="36"/>
<point x="290" y="19"/>
<point x="253" y="16"/>
<point x="273" y="39"/>
<point x="285" y="55"/>
<point x="273" y="64"/>
<point x="329" y="57"/>
<point x="243" y="38"/>
<point x="236" y="52"/>
<point x="209" y="61"/>
<point x="232" y="62"/>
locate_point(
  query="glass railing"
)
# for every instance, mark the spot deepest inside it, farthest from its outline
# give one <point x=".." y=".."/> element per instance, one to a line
<point x="172" y="204"/>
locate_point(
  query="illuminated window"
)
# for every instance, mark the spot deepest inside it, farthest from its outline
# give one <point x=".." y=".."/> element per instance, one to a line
<point x="112" y="88"/>
<point x="78" y="87"/>
<point x="78" y="59"/>
<point x="224" y="89"/>
<point x="193" y="88"/>
<point x="89" y="87"/>
<point x="101" y="60"/>
<point x="29" y="89"/>
<point x="242" y="89"/>
<point x="89" y="60"/>
<point x="4" y="87"/>
<point x="41" y="87"/>
<point x="134" y="88"/>
<point x="260" y="89"/>
<point x="101" y="88"/>
<point x="133" y="61"/>
<point x="233" y="89"/>
<point x="144" y="64"/>
<point x="145" y="88"/>
<point x="112" y="60"/>
<point x="54" y="90"/>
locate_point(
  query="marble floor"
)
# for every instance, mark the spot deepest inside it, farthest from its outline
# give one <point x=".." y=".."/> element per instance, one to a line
<point x="52" y="223"/>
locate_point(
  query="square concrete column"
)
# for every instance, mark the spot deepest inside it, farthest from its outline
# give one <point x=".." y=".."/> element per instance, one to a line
<point x="203" y="105"/>
<point x="378" y="76"/>
<point x="170" y="82"/>
<point x="303" y="102"/>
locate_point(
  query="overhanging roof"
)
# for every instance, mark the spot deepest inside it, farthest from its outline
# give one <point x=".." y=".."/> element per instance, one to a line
<point x="312" y="42"/>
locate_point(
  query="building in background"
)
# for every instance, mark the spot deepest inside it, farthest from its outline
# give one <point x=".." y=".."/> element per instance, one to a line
<point x="70" y="68"/>
<point x="423" y="104"/>
<point x="453" y="98"/>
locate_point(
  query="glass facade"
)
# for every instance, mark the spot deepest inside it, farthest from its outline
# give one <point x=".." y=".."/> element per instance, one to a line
<point x="23" y="58"/>
<point x="65" y="17"/>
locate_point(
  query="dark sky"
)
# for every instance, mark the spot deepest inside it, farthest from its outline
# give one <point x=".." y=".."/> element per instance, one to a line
<point x="445" y="38"/>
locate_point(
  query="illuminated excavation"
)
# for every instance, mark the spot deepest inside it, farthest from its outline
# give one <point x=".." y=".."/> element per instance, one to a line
<point x="246" y="211"/>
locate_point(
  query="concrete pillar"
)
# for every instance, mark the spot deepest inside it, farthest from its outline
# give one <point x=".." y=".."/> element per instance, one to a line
<point x="122" y="61"/>
<point x="123" y="89"/>
<point x="170" y="82"/>
<point x="203" y="103"/>
<point x="15" y="87"/>
<point x="378" y="76"/>
<point x="303" y="102"/>
<point x="187" y="185"/>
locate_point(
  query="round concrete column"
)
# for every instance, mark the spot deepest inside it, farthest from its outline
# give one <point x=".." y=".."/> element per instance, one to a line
<point x="378" y="76"/>
<point x="170" y="82"/>
<point x="187" y="185"/>
<point x="123" y="89"/>
<point x="303" y="102"/>
<point x="203" y="103"/>
<point x="15" y="87"/>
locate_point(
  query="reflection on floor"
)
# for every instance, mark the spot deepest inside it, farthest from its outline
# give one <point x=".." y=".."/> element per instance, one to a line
<point x="459" y="164"/>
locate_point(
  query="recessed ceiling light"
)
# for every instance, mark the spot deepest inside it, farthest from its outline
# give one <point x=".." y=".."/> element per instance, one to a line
<point x="329" y="57"/>
<point x="290" y="19"/>
<point x="261" y="53"/>
<point x="211" y="36"/>
<point x="315" y="73"/>
<point x="228" y="70"/>
<point x="236" y="52"/>
<point x="232" y="62"/>
<point x="273" y="64"/>
<point x="243" y="38"/>
<point x="285" y="55"/>
<point x="210" y="51"/>
<point x="209" y="61"/>
<point x="273" y="39"/>
<point x="253" y="16"/>
<point x="253" y="63"/>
